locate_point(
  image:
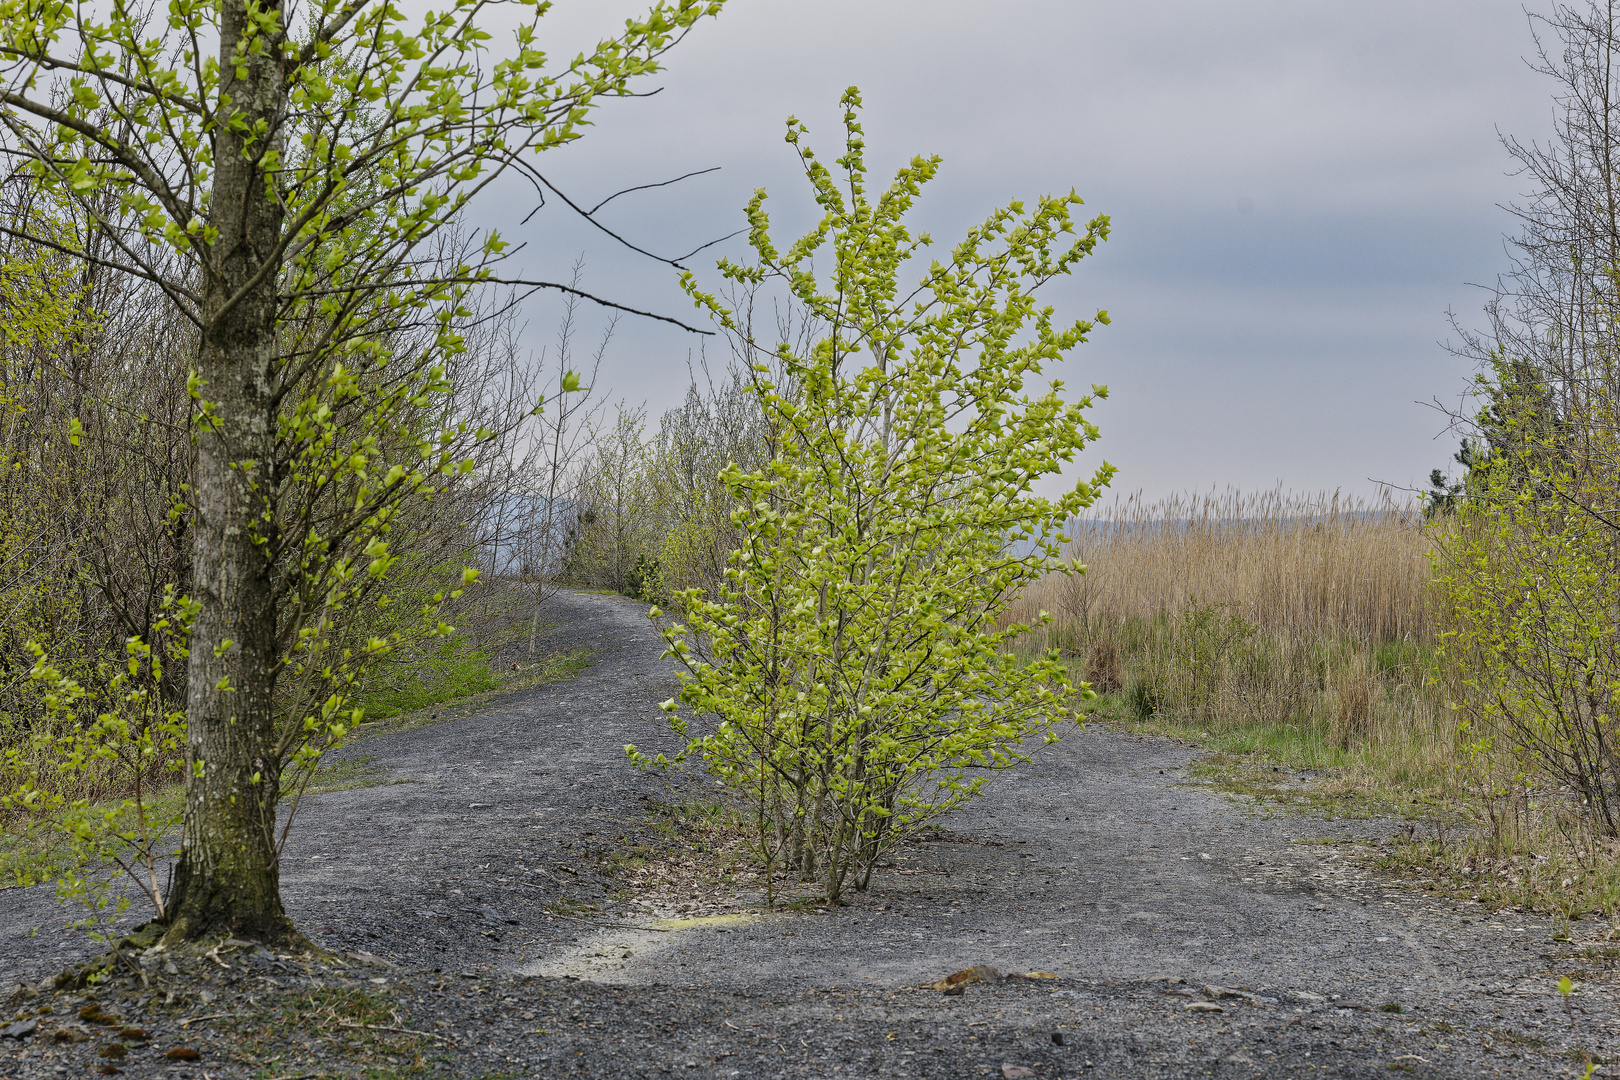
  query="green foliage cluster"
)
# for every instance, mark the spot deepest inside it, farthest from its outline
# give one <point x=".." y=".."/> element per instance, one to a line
<point x="87" y="713"/>
<point x="645" y="581"/>
<point x="1530" y="565"/>
<point x="848" y="677"/>
<point x="137" y="744"/>
<point x="652" y="516"/>
<point x="1527" y="559"/>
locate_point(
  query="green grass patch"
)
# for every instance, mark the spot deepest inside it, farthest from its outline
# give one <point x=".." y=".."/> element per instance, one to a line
<point x="571" y="908"/>
<point x="1509" y="1037"/>
<point x="1299" y="764"/>
<point x="451" y="705"/>
<point x="347" y="774"/>
<point x="1606" y="954"/>
<point x="454" y="668"/>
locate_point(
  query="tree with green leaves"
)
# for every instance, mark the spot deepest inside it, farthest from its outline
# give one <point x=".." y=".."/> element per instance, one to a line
<point x="1527" y="565"/>
<point x="287" y="177"/>
<point x="853" y="677"/>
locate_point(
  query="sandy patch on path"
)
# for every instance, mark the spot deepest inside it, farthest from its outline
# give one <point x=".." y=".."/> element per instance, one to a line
<point x="629" y="955"/>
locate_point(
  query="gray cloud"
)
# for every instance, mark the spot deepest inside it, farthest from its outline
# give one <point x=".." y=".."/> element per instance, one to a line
<point x="1299" y="192"/>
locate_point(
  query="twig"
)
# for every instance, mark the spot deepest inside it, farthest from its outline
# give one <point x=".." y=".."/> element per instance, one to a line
<point x="400" y="1030"/>
<point x="210" y="1016"/>
<point x="133" y="966"/>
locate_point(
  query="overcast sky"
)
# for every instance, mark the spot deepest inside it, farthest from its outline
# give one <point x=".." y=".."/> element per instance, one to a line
<point x="1299" y="191"/>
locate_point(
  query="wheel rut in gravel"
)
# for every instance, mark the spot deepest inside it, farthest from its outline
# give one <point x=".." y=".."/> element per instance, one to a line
<point x="1187" y="931"/>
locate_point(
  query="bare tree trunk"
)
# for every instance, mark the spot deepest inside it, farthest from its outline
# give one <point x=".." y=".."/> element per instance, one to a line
<point x="228" y="878"/>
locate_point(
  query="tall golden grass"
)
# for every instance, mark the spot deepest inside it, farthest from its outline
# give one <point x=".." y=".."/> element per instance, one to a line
<point x="1297" y="564"/>
<point x="1267" y="613"/>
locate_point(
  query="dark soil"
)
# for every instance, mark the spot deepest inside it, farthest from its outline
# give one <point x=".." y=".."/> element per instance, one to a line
<point x="516" y="900"/>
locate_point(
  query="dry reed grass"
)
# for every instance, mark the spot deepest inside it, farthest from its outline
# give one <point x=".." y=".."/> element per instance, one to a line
<point x="1301" y="565"/>
<point x="1299" y="627"/>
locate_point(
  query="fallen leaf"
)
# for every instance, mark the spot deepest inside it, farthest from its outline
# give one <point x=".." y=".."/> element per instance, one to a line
<point x="1042" y="975"/>
<point x="980" y="973"/>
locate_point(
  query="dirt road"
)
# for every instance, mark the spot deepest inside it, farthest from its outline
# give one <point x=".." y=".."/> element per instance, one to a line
<point x="1190" y="935"/>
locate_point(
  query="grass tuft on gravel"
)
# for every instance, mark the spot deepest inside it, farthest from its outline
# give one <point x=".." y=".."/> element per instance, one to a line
<point x="448" y="701"/>
<point x="1300" y="766"/>
<point x="346" y="775"/>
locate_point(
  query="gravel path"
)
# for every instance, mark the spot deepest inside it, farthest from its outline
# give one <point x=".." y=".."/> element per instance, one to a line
<point x="1189" y="935"/>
